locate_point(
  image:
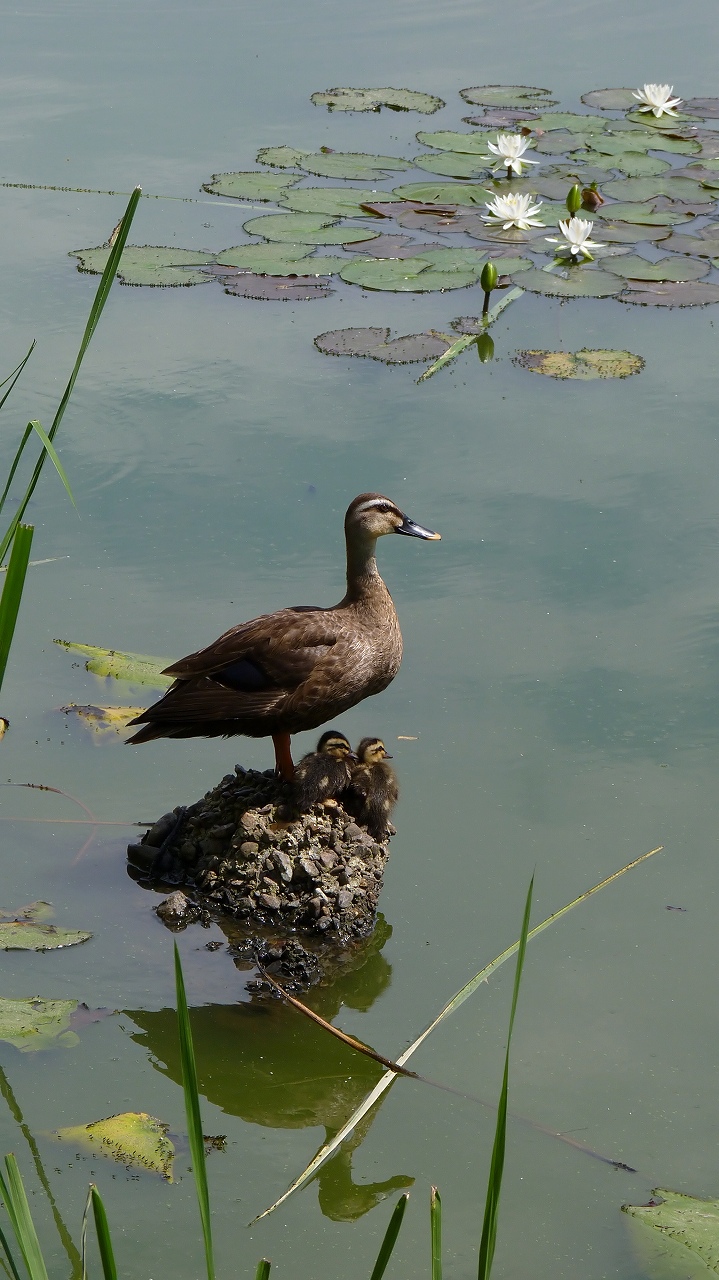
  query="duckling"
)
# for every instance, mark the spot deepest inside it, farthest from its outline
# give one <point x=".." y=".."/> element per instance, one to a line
<point x="295" y="669"/>
<point x="325" y="773"/>
<point x="375" y="784"/>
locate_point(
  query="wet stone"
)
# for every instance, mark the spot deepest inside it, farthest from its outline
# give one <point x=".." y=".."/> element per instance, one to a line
<point x="244" y="851"/>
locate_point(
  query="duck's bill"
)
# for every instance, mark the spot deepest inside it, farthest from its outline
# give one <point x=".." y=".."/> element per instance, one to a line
<point x="414" y="530"/>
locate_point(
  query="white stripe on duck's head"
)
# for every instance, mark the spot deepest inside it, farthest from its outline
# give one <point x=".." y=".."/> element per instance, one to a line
<point x="370" y="515"/>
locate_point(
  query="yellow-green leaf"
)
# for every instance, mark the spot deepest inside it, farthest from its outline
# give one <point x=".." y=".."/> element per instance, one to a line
<point x="27" y="935"/>
<point x="580" y="365"/>
<point x="32" y="1023"/>
<point x="134" y="1138"/>
<point x="138" y="668"/>
<point x="103" y="722"/>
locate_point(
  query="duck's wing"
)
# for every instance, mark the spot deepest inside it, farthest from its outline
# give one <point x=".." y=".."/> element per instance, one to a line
<point x="275" y="651"/>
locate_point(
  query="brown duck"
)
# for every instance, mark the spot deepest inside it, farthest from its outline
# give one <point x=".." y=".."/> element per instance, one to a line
<point x="374" y="787"/>
<point x="324" y="773"/>
<point x="295" y="669"/>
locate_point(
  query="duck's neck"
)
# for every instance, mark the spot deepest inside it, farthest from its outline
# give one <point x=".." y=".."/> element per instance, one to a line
<point x="363" y="579"/>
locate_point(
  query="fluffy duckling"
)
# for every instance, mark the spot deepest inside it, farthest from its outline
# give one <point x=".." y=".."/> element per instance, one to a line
<point x="324" y="773"/>
<point x="374" y="782"/>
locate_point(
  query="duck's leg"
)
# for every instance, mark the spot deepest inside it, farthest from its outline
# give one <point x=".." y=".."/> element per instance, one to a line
<point x="283" y="756"/>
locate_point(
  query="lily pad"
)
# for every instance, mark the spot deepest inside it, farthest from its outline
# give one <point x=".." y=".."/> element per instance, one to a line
<point x="507" y="95"/>
<point x="472" y="144"/>
<point x="700" y="246"/>
<point x="375" y="344"/>
<point x="134" y="1138"/>
<point x="584" y="365"/>
<point x="269" y="259"/>
<point x="336" y="202"/>
<point x="680" y="124"/>
<point x="277" y="288"/>
<point x="137" y="668"/>
<point x="675" y="267"/>
<point x="104" y="722"/>
<point x="375" y="99"/>
<point x="33" y="1023"/>
<point x="254" y="185"/>
<point x="305" y="228"/>
<point x="577" y="282"/>
<point x="628" y="233"/>
<point x="500" y="118"/>
<point x="561" y="142"/>
<point x="443" y="193"/>
<point x="352" y="164"/>
<point x="281" y="157"/>
<point x="646" y="294"/>
<point x="407" y="275"/>
<point x="391" y="247"/>
<point x="147" y="264"/>
<point x="634" y="164"/>
<point x="678" y="1237"/>
<point x="573" y="121"/>
<point x="656" y="185"/>
<point x="707" y="107"/>
<point x="644" y="213"/>
<point x="452" y="164"/>
<point x="610" y="99"/>
<point x="27" y="935"/>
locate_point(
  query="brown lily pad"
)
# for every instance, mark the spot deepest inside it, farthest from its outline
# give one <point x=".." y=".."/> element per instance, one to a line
<point x="374" y="343"/>
<point x="392" y="247"/>
<point x="583" y="366"/>
<point x="707" y="107"/>
<point x="507" y="95"/>
<point x="375" y="99"/>
<point x="277" y="288"/>
<point x="651" y="294"/>
<point x="500" y="118"/>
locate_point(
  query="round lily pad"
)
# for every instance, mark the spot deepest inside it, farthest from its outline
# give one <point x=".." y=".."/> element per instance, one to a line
<point x="375" y="99"/>
<point x="507" y="95"/>
<point x="153" y="265"/>
<point x="497" y="235"/>
<point x="610" y="99"/>
<point x="699" y="246"/>
<point x="352" y="164"/>
<point x="572" y="121"/>
<point x="644" y="213"/>
<point x="452" y="164"/>
<point x="677" y="124"/>
<point x="694" y="294"/>
<point x="375" y="344"/>
<point x="407" y="275"/>
<point x="265" y="259"/>
<point x="254" y="185"/>
<point x="281" y="157"/>
<point x="472" y="144"/>
<point x="633" y="164"/>
<point x="277" y="288"/>
<point x="500" y="118"/>
<point x="674" y="267"/>
<point x="27" y="935"/>
<point x="562" y="142"/>
<point x="305" y="228"/>
<point x="336" y="202"/>
<point x="391" y="247"/>
<point x="584" y="365"/>
<point x="443" y="193"/>
<point x="707" y="107"/>
<point x="628" y="233"/>
<point x="578" y="282"/>
<point x="657" y="185"/>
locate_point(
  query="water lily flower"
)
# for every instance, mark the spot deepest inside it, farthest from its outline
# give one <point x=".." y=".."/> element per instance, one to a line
<point x="510" y="148"/>
<point x="576" y="233"/>
<point x="513" y="210"/>
<point x="658" y="99"/>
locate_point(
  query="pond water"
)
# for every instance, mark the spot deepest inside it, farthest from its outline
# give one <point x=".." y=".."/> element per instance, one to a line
<point x="557" y="708"/>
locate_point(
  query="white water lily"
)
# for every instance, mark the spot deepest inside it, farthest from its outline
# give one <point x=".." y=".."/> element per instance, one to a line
<point x="513" y="210"/>
<point x="510" y="148"/>
<point x="576" y="233"/>
<point x="658" y="99"/>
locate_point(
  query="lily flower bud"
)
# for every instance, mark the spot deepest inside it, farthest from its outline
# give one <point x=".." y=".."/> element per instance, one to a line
<point x="574" y="199"/>
<point x="488" y="278"/>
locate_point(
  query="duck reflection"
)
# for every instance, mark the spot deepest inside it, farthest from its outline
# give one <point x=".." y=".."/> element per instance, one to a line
<point x="266" y="1063"/>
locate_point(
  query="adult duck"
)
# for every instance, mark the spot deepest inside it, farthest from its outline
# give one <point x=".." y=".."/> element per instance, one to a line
<point x="295" y="669"/>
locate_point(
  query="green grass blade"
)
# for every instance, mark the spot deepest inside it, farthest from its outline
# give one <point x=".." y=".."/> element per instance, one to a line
<point x="263" y="1269"/>
<point x="107" y="1256"/>
<point x="15" y="464"/>
<point x="13" y="377"/>
<point x="18" y="1209"/>
<point x="456" y="348"/>
<point x="50" y="448"/>
<point x="12" y="591"/>
<point x="83" y="1234"/>
<point x="192" y="1110"/>
<point x="469" y="988"/>
<point x="435" y="1222"/>
<point x="496" y="1167"/>
<point x="8" y="1255"/>
<point x="390" y="1238"/>
<point x="108" y="276"/>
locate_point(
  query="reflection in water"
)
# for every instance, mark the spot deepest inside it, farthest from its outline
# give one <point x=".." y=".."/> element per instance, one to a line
<point x="266" y="1063"/>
